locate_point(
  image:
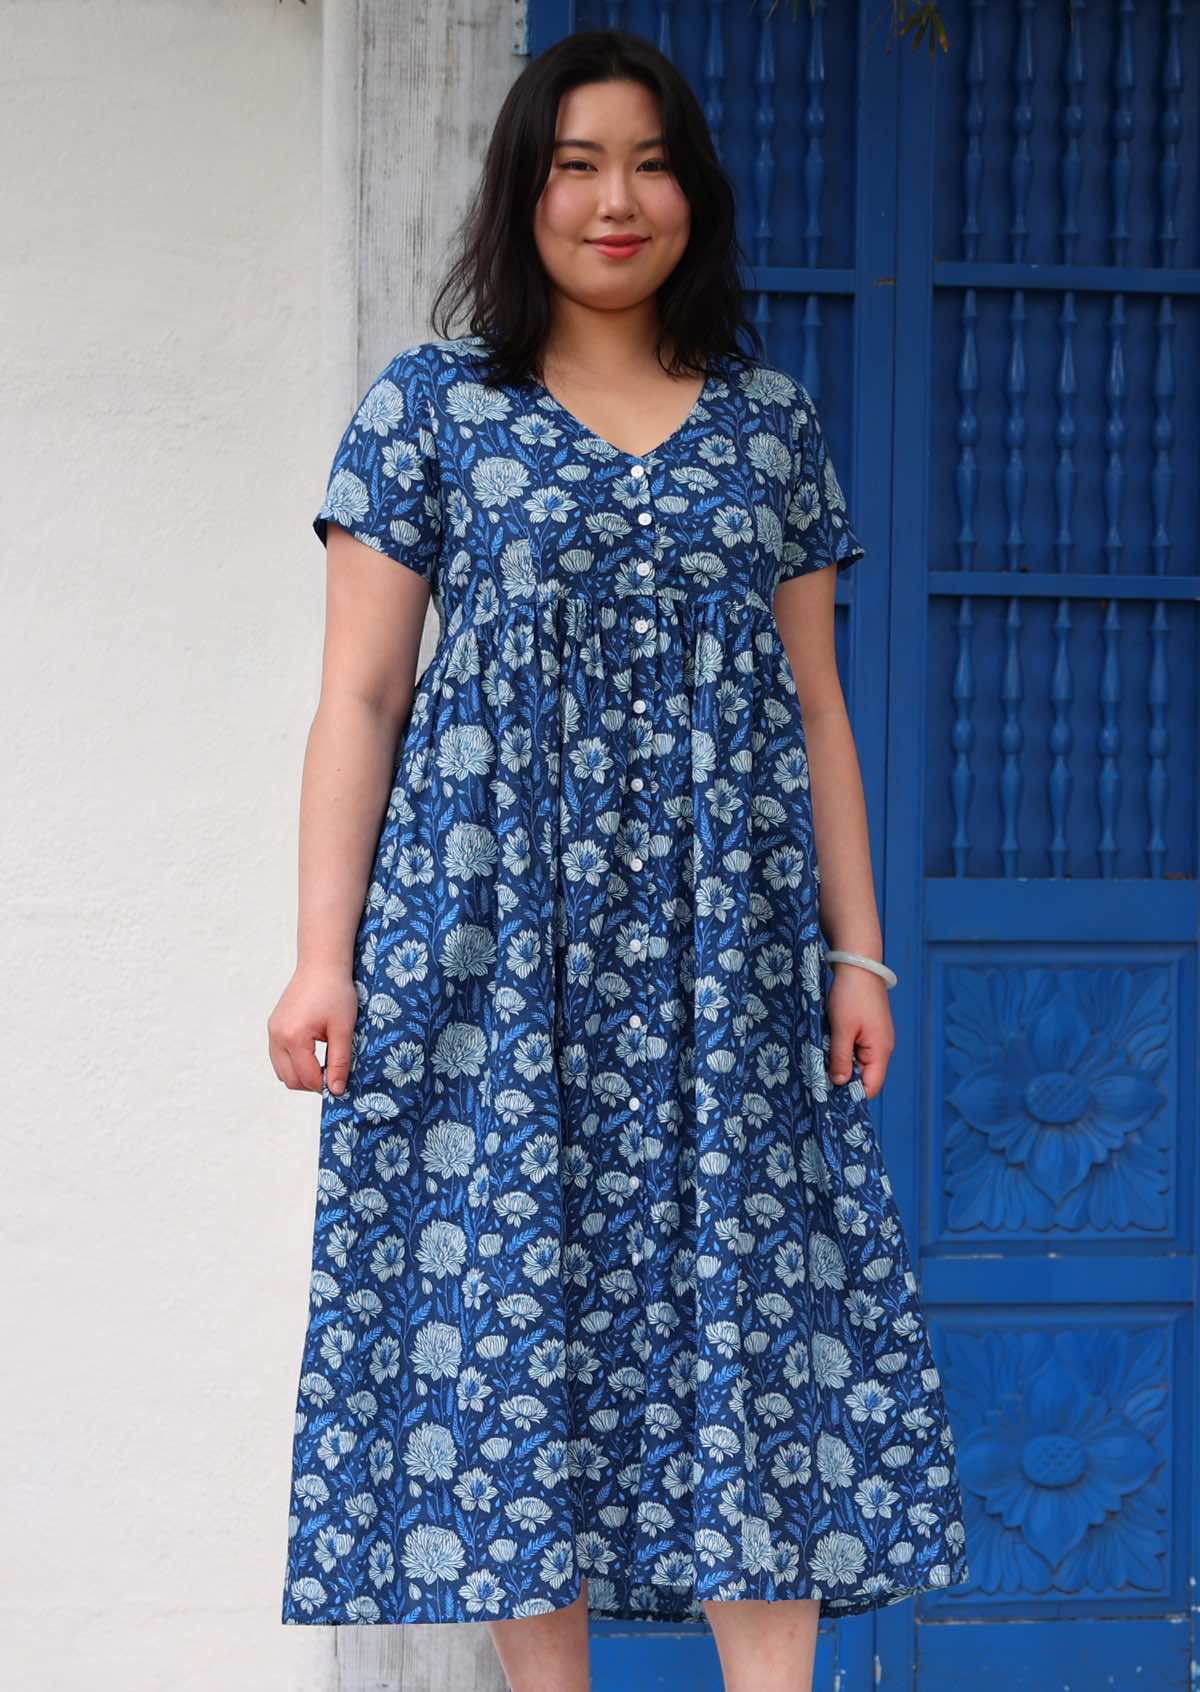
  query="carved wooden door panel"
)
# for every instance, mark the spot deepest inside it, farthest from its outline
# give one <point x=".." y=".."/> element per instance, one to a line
<point x="1041" y="829"/>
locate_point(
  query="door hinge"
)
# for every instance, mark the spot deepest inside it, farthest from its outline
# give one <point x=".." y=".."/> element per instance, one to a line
<point x="520" y="28"/>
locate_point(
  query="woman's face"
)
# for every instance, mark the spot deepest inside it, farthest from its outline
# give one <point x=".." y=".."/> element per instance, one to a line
<point x="610" y="177"/>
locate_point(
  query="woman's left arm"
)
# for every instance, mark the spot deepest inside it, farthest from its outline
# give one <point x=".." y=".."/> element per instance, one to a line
<point x="860" y="1019"/>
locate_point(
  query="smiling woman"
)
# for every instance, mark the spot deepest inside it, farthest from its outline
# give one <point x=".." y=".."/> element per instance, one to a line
<point x="612" y="1310"/>
<point x="600" y="139"/>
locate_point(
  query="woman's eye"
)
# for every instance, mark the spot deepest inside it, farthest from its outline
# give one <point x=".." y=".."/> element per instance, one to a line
<point x="658" y="166"/>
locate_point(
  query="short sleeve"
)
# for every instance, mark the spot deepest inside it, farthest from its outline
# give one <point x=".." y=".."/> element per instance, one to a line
<point x="816" y="529"/>
<point x="384" y="485"/>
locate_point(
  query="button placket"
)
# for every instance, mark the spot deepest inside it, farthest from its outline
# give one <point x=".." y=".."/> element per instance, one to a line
<point x="645" y="516"/>
<point x="643" y="678"/>
<point x="642" y="673"/>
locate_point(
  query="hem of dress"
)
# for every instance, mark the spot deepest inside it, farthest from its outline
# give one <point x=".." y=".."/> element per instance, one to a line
<point x="832" y="1607"/>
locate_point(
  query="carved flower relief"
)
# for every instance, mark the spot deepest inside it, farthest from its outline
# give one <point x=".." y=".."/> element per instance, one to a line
<point x="1063" y="1483"/>
<point x="1057" y="1118"/>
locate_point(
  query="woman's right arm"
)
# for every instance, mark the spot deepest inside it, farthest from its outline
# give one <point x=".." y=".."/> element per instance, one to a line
<point x="374" y="616"/>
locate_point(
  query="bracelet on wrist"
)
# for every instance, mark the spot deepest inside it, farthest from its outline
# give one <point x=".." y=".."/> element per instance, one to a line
<point x="889" y="976"/>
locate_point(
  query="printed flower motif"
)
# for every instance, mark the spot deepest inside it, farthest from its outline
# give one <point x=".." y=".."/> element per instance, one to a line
<point x="460" y="1050"/>
<point x="430" y="1452"/>
<point x="768" y="454"/>
<point x="805" y="505"/>
<point x="442" y="1249"/>
<point x="432" y="1554"/>
<point x="475" y="404"/>
<point x="469" y="949"/>
<point x="401" y="461"/>
<point x="839" y="1559"/>
<point x="497" y="481"/>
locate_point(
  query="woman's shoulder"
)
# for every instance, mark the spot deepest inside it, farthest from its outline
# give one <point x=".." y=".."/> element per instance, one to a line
<point x="455" y="357"/>
<point x="436" y="360"/>
<point x="776" y="396"/>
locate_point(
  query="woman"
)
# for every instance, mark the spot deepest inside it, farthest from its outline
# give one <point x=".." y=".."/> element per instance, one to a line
<point x="611" y="1307"/>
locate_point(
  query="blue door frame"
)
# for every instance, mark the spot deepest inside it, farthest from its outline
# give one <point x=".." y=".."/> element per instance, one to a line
<point x="986" y="269"/>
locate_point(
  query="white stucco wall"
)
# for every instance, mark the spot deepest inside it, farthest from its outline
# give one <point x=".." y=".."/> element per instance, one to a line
<point x="173" y="384"/>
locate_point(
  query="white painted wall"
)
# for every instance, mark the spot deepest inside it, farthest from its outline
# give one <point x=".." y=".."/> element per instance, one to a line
<point x="185" y="326"/>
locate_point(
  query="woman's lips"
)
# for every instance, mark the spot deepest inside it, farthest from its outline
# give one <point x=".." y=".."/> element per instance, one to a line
<point x="620" y="249"/>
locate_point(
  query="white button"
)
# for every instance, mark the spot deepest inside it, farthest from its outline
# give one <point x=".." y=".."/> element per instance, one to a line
<point x="635" y="1257"/>
<point x="639" y="470"/>
<point x="641" y="624"/>
<point x="635" y="1020"/>
<point x="639" y="706"/>
<point x="645" y="517"/>
<point x="644" y="568"/>
<point x="635" y="945"/>
<point x="635" y="1104"/>
<point x="635" y="863"/>
<point x="634" y="1181"/>
<point x="637" y="784"/>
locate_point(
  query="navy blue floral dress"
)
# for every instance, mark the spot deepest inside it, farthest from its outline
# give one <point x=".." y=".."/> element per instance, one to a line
<point x="608" y="1280"/>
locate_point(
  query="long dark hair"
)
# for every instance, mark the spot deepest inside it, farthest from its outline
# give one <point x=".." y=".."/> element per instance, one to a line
<point x="498" y="270"/>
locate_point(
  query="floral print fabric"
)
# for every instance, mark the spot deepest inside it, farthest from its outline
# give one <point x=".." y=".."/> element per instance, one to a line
<point x="608" y="1280"/>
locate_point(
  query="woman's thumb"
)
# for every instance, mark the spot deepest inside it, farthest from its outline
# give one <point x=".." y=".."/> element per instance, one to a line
<point x="337" y="1056"/>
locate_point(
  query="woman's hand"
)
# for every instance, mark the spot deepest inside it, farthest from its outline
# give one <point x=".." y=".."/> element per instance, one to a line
<point x="318" y="1003"/>
<point x="860" y="1024"/>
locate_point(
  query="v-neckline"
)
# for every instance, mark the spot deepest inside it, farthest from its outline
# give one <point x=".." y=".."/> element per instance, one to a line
<point x="636" y="457"/>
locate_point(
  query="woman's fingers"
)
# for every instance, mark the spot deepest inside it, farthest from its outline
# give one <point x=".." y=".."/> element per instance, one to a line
<point x="848" y="1043"/>
<point x="304" y="1062"/>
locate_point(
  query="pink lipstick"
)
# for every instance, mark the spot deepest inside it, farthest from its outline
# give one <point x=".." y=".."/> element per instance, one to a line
<point x="620" y="246"/>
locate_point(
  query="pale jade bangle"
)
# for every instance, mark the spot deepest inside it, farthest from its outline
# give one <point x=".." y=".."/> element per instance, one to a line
<point x="889" y="975"/>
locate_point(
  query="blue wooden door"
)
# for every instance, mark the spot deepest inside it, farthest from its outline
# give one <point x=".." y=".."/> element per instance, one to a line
<point x="986" y="270"/>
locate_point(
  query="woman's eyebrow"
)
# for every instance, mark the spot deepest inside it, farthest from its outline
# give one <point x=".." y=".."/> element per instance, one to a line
<point x="598" y="146"/>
